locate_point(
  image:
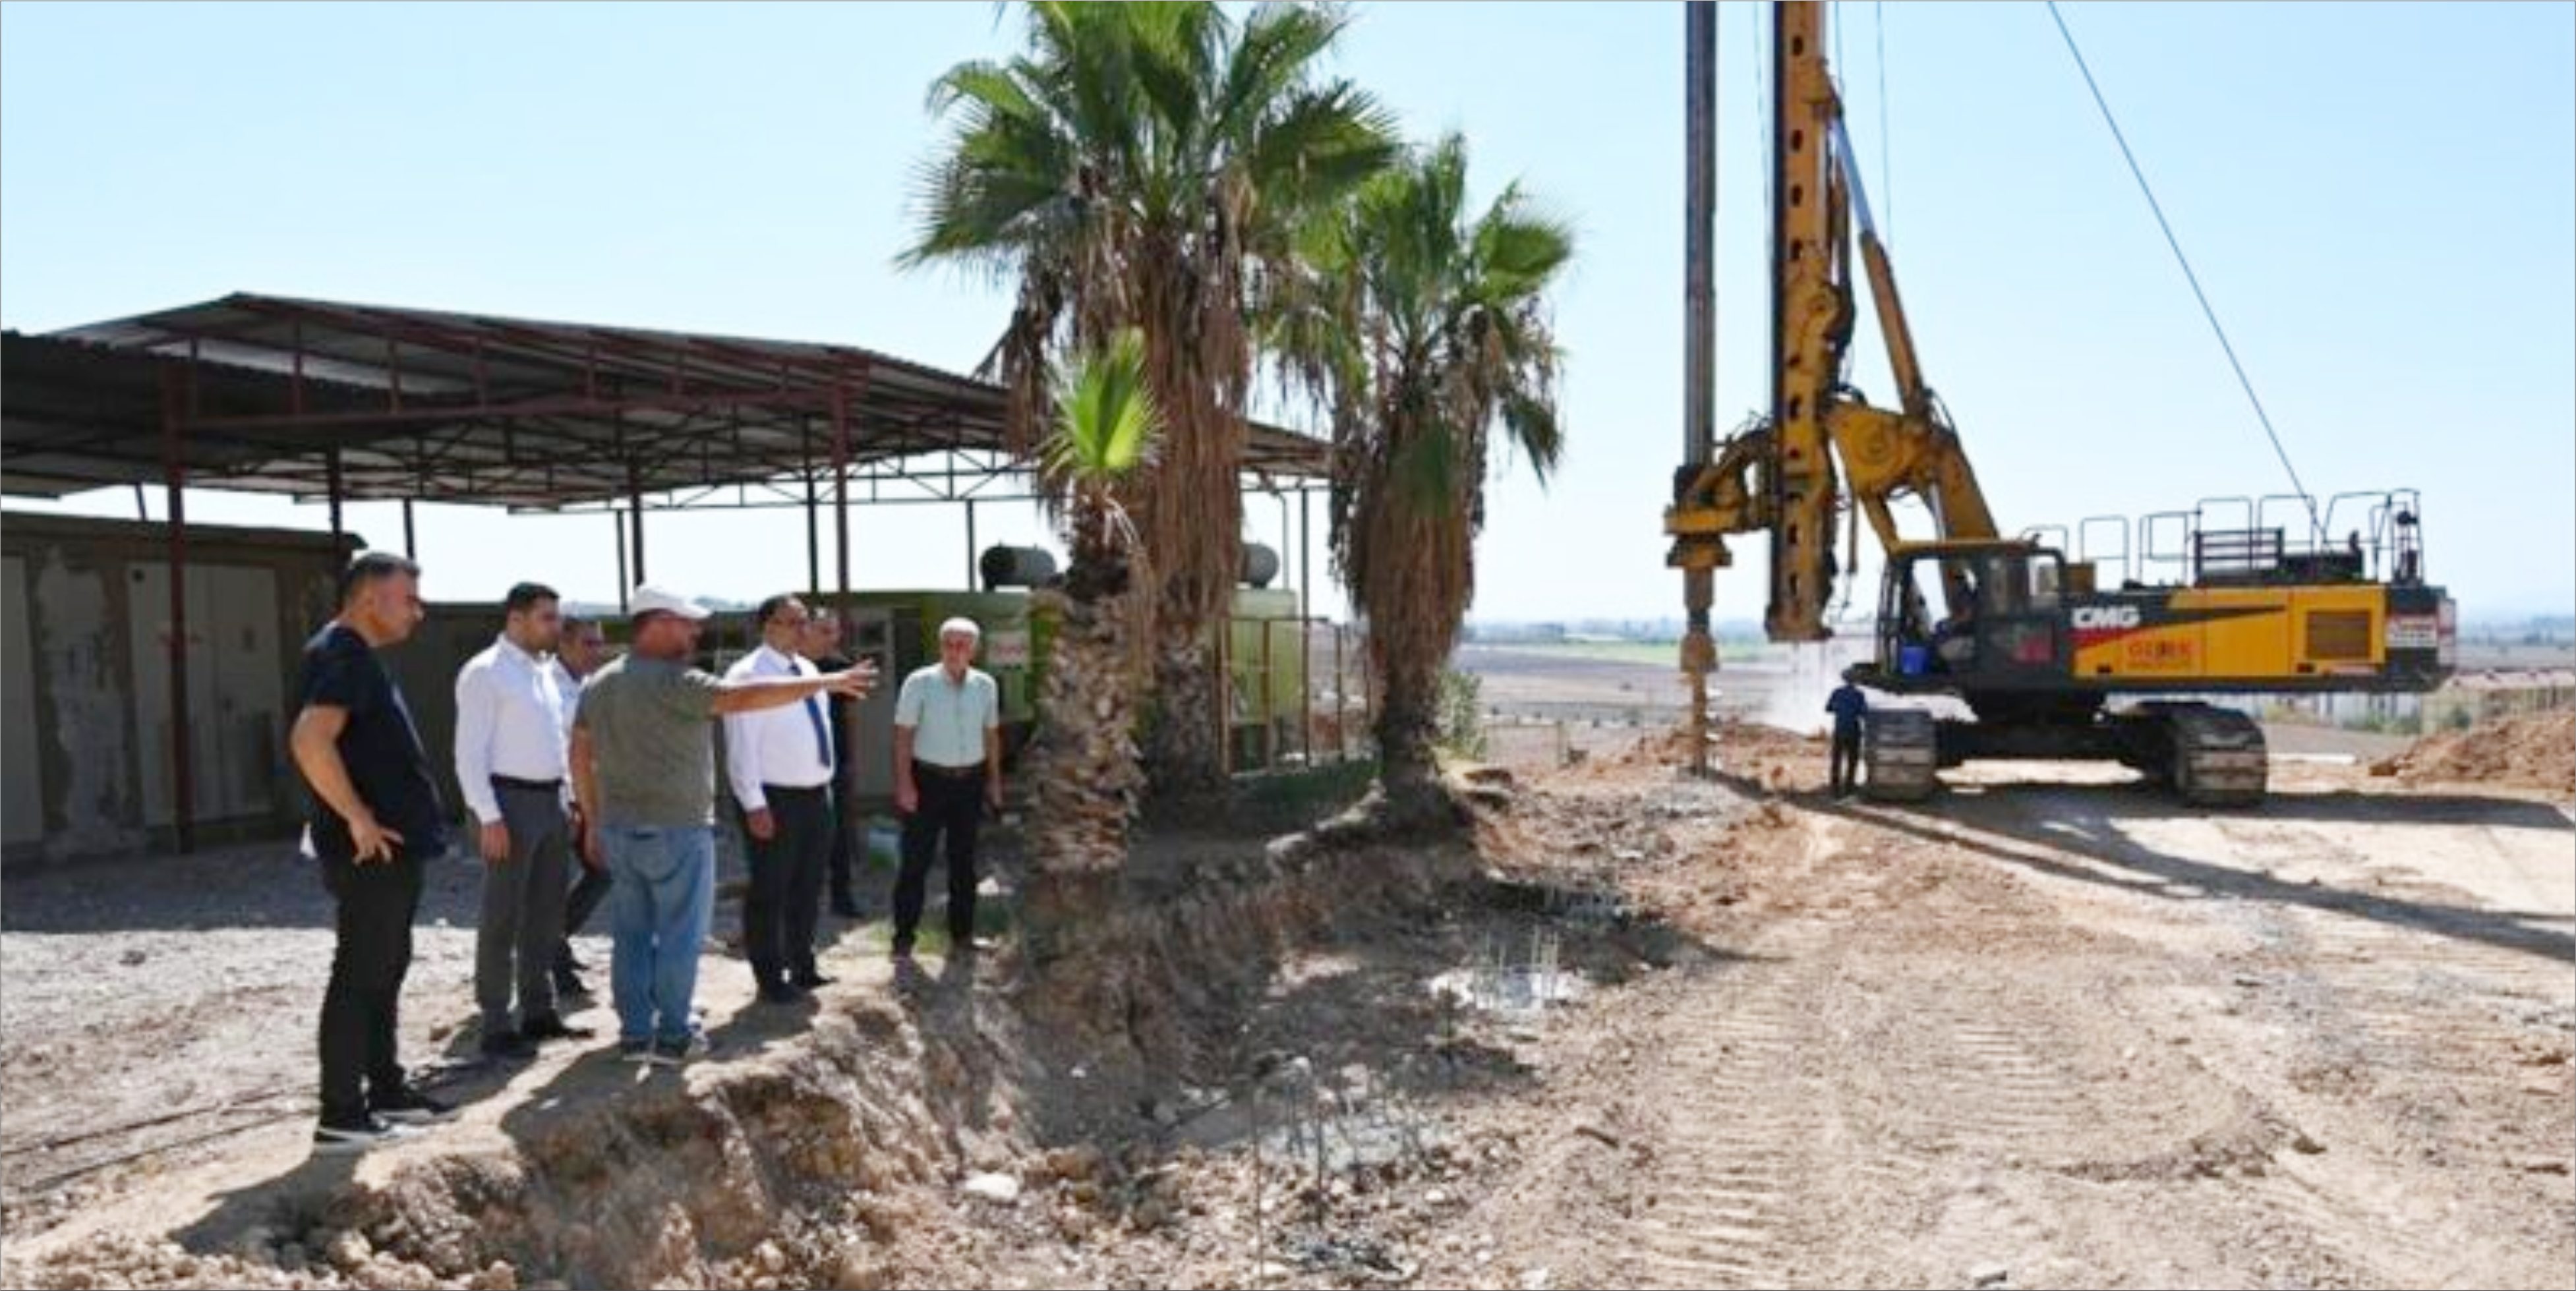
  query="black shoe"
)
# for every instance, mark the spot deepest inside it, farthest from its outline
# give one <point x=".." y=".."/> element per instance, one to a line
<point x="341" y="1138"/>
<point x="568" y="983"/>
<point x="508" y="1046"/>
<point x="809" y="980"/>
<point x="409" y="1106"/>
<point x="781" y="993"/>
<point x="668" y="1052"/>
<point x="550" y="1026"/>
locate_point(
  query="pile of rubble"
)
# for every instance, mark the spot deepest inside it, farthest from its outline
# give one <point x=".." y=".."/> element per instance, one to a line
<point x="2526" y="750"/>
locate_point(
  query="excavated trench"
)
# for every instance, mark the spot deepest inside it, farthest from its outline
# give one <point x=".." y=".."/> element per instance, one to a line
<point x="831" y="1157"/>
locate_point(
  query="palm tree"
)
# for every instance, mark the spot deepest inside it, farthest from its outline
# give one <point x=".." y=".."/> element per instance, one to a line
<point x="1420" y="331"/>
<point x="1086" y="760"/>
<point x="1144" y="165"/>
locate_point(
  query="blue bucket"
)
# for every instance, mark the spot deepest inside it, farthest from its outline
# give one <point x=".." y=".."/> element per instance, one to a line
<point x="1913" y="660"/>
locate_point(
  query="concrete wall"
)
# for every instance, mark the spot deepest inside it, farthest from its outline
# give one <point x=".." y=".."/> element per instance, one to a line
<point x="84" y="617"/>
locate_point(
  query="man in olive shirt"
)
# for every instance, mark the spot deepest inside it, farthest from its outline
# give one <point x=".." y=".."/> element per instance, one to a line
<point x="644" y="770"/>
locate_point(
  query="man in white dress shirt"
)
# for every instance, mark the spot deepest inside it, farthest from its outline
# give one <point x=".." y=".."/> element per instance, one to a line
<point x="510" y="765"/>
<point x="780" y="763"/>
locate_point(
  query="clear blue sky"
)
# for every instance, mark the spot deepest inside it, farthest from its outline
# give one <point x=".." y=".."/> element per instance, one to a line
<point x="2380" y="198"/>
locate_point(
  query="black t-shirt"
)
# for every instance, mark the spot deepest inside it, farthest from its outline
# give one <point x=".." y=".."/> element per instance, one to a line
<point x="841" y="706"/>
<point x="380" y="745"/>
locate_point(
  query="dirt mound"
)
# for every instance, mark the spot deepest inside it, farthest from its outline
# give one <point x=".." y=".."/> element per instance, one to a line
<point x="2527" y="750"/>
<point x="1738" y="748"/>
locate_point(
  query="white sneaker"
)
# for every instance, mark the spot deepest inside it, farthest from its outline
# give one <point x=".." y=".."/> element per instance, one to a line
<point x="348" y="1140"/>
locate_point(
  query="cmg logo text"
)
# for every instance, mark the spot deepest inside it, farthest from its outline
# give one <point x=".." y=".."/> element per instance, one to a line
<point x="2106" y="618"/>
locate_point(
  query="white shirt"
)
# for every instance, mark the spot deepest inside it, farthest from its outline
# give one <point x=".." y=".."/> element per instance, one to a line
<point x="571" y="692"/>
<point x="948" y="719"/>
<point x="512" y="719"/>
<point x="776" y="745"/>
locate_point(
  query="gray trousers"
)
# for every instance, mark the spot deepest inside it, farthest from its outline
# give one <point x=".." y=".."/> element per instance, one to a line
<point x="523" y="908"/>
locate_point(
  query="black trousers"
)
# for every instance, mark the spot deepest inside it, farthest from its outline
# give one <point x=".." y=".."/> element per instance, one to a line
<point x="784" y="902"/>
<point x="587" y="892"/>
<point x="1846" y="768"/>
<point x="368" y="962"/>
<point x="845" y="893"/>
<point x="953" y="806"/>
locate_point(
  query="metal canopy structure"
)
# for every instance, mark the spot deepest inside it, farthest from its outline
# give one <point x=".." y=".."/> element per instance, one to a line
<point x="430" y="406"/>
<point x="334" y="402"/>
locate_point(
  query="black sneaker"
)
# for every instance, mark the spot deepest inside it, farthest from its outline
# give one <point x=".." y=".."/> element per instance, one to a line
<point x="508" y="1046"/>
<point x="409" y="1106"/>
<point x="639" y="1052"/>
<point x="781" y="993"/>
<point x="551" y="1026"/>
<point x="809" y="980"/>
<point x="675" y="1053"/>
<point x="343" y="1138"/>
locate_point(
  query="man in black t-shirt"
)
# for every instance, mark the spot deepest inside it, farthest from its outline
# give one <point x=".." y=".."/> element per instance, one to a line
<point x="377" y="820"/>
<point x="823" y="645"/>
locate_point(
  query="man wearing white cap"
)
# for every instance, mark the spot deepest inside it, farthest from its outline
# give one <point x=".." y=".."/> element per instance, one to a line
<point x="947" y="771"/>
<point x="644" y="770"/>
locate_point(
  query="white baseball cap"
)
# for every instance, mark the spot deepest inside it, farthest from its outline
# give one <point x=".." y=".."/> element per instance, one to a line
<point x="649" y="599"/>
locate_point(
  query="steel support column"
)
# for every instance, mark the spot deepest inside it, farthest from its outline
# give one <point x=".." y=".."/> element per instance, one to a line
<point x="841" y="481"/>
<point x="813" y="533"/>
<point x="183" y="768"/>
<point x="338" y="530"/>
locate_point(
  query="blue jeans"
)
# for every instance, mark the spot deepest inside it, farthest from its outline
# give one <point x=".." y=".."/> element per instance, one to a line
<point x="659" y="906"/>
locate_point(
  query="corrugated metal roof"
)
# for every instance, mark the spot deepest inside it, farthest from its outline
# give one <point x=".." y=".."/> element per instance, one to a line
<point x="441" y="406"/>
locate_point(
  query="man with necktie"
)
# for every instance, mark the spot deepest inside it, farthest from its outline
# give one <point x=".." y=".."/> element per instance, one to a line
<point x="780" y="763"/>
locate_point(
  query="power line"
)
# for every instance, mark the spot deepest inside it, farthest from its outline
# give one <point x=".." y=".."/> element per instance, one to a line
<point x="1886" y="185"/>
<point x="2278" y="450"/>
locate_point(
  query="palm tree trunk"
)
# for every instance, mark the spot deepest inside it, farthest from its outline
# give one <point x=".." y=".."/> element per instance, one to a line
<point x="1087" y="775"/>
<point x="1407" y="724"/>
<point x="1183" y="751"/>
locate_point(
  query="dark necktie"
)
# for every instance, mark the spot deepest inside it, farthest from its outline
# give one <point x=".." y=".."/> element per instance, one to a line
<point x="822" y="734"/>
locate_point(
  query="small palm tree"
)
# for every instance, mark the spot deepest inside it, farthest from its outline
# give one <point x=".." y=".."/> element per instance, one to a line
<point x="1088" y="772"/>
<point x="1420" y="331"/>
<point x="1146" y="165"/>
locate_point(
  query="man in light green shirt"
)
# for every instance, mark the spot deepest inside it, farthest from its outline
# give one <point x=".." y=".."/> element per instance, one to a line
<point x="947" y="772"/>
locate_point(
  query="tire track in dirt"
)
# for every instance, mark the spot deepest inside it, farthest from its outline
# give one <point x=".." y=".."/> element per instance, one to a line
<point x="2406" y="1003"/>
<point x="2068" y="1035"/>
<point x="2462" y="1039"/>
<point x="1721" y="1189"/>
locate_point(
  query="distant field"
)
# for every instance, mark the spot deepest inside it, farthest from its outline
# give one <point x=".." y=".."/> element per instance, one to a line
<point x="1657" y="653"/>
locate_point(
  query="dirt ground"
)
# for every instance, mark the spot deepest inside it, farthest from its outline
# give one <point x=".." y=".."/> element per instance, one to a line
<point x="2045" y="1029"/>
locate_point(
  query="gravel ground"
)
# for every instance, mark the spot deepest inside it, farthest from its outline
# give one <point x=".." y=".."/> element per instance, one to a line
<point x="2046" y="1029"/>
<point x="153" y="1009"/>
